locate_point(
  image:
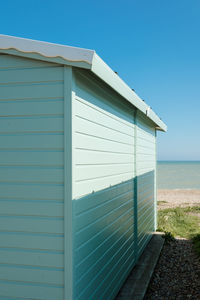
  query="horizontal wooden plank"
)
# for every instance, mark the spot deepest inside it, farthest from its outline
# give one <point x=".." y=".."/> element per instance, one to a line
<point x="92" y="284"/>
<point x="148" y="206"/>
<point x="31" y="158"/>
<point x="143" y="202"/>
<point x="145" y="168"/>
<point x="103" y="268"/>
<point x="32" y="174"/>
<point x="146" y="226"/>
<point x="82" y="188"/>
<point x="146" y="164"/>
<point x="31" y="274"/>
<point x="144" y="193"/>
<point x="147" y="201"/>
<point x="90" y="217"/>
<point x="31" y="75"/>
<point x="144" y="137"/>
<point x="145" y="185"/>
<point x="34" y="258"/>
<point x="99" y="257"/>
<point x="89" y="232"/>
<point x="27" y="291"/>
<point x="144" y="171"/>
<point x="31" y="124"/>
<point x="95" y="228"/>
<point x="30" y="191"/>
<point x="144" y="151"/>
<point x="32" y="224"/>
<point x="92" y="172"/>
<point x="31" y="107"/>
<point x="144" y="234"/>
<point x="31" y="241"/>
<point x="94" y="129"/>
<point x="11" y="61"/>
<point x="141" y="143"/>
<point x="38" y="141"/>
<point x="87" y="203"/>
<point x="31" y="207"/>
<point x="144" y="216"/>
<point x="101" y="96"/>
<point x="97" y="115"/>
<point x="145" y="155"/>
<point x="120" y="274"/>
<point x="145" y="131"/>
<point x="31" y="91"/>
<point x="95" y="143"/>
<point x="100" y="158"/>
<point x="145" y="180"/>
<point x="87" y="248"/>
<point x="143" y="239"/>
<point x="145" y="242"/>
<point x="145" y="123"/>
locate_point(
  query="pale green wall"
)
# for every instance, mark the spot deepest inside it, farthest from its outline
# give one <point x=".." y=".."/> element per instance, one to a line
<point x="107" y="138"/>
<point x="73" y="214"/>
<point x="31" y="179"/>
<point x="146" y="168"/>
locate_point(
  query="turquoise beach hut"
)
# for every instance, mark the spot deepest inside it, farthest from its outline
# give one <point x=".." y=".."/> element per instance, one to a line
<point x="77" y="173"/>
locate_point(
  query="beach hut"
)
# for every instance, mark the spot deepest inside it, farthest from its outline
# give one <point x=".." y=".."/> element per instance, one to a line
<point x="77" y="173"/>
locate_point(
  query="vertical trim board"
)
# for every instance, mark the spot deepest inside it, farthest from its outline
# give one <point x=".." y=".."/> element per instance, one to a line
<point x="155" y="187"/>
<point x="68" y="255"/>
<point x="135" y="222"/>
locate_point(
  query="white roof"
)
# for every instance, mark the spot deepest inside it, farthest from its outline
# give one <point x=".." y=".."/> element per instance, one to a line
<point x="77" y="57"/>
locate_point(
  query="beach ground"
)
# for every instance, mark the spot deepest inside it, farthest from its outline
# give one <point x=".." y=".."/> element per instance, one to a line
<point x="177" y="198"/>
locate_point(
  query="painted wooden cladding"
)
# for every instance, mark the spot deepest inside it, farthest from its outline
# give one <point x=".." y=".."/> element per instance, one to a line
<point x="103" y="191"/>
<point x="146" y="164"/>
<point x="31" y="179"/>
<point x="77" y="183"/>
<point x="103" y="140"/>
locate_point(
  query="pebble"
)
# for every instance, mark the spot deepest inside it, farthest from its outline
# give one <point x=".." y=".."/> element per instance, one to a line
<point x="177" y="273"/>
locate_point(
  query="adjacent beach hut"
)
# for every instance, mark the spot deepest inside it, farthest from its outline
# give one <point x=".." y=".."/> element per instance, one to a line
<point x="77" y="173"/>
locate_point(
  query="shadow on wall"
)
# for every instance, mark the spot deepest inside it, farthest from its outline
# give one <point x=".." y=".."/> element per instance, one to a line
<point x="109" y="235"/>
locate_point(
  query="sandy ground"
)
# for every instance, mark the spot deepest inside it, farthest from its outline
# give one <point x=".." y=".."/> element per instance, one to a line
<point x="175" y="198"/>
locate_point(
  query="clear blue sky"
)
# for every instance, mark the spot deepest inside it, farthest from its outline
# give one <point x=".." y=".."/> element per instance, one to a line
<point x="153" y="45"/>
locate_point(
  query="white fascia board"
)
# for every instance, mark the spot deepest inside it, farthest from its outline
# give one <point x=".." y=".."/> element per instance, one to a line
<point x="45" y="49"/>
<point x="161" y="125"/>
<point x="102" y="70"/>
<point x="77" y="57"/>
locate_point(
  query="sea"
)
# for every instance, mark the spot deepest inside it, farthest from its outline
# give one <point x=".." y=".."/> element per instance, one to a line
<point x="178" y="175"/>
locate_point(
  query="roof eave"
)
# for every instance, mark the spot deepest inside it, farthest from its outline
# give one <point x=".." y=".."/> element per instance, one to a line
<point x="81" y="58"/>
<point x="102" y="70"/>
<point x="46" y="51"/>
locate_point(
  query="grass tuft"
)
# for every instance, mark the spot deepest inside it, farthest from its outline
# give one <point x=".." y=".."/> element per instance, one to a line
<point x="168" y="236"/>
<point x="195" y="209"/>
<point x="161" y="202"/>
<point x="179" y="222"/>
